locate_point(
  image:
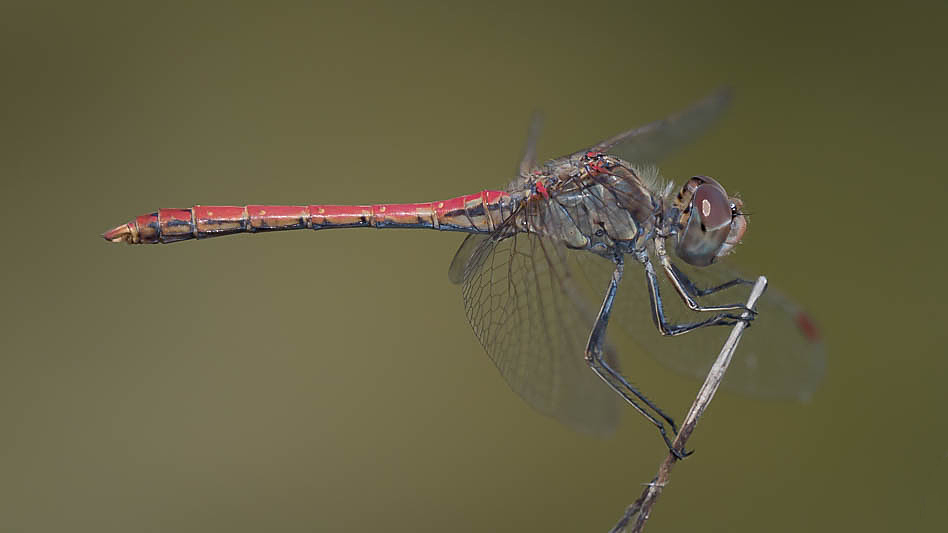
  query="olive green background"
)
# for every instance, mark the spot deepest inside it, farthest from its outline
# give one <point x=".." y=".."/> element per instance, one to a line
<point x="319" y="382"/>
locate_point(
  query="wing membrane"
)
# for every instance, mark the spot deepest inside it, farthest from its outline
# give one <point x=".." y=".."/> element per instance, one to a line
<point x="532" y="301"/>
<point x="779" y="357"/>
<point x="653" y="142"/>
<point x="533" y="317"/>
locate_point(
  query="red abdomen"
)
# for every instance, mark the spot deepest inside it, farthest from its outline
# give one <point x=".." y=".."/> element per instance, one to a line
<point x="474" y="213"/>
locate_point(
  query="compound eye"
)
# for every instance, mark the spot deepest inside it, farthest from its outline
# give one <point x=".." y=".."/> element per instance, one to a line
<point x="707" y="226"/>
<point x="711" y="203"/>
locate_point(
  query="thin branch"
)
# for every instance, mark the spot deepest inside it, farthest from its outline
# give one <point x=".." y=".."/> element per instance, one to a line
<point x="642" y="507"/>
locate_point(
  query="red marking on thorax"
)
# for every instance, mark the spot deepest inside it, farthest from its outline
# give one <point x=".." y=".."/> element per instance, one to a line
<point x="541" y="188"/>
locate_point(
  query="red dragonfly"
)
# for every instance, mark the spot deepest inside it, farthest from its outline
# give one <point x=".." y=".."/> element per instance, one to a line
<point x="541" y="266"/>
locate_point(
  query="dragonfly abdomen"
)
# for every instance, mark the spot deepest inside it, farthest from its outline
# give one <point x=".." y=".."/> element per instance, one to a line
<point x="473" y="213"/>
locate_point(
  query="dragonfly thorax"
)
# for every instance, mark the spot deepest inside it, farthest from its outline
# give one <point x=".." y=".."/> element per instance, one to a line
<point x="602" y="206"/>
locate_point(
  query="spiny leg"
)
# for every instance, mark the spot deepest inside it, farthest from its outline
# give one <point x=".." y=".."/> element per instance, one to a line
<point x="687" y="290"/>
<point x="696" y="291"/>
<point x="658" y="310"/>
<point x="614" y="379"/>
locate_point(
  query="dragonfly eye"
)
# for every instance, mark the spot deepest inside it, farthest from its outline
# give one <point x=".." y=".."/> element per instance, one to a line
<point x="710" y="215"/>
<point x="713" y="207"/>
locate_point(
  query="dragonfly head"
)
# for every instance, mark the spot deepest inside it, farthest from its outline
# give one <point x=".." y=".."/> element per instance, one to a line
<point x="710" y="223"/>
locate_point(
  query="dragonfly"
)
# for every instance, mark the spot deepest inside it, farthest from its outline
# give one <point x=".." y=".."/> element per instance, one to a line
<point x="542" y="263"/>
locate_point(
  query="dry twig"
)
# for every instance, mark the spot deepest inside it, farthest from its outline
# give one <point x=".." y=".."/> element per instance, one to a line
<point x="642" y="507"/>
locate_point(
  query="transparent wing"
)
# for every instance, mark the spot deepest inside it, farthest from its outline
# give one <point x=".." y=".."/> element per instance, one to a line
<point x="533" y="315"/>
<point x="532" y="302"/>
<point x="781" y="356"/>
<point x="529" y="159"/>
<point x="462" y="258"/>
<point x="653" y="142"/>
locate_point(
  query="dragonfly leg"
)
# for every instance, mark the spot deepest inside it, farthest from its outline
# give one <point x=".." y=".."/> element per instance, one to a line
<point x="696" y="291"/>
<point x="689" y="292"/>
<point x="614" y="379"/>
<point x="658" y="310"/>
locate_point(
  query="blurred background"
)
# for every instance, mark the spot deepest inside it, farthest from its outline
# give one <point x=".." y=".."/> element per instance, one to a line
<point x="315" y="382"/>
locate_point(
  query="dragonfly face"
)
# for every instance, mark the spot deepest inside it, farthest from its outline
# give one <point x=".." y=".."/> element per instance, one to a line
<point x="711" y="222"/>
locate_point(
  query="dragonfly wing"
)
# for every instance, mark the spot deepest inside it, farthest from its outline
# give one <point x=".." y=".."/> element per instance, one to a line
<point x="533" y="317"/>
<point x="781" y="356"/>
<point x="529" y="160"/>
<point x="462" y="258"/>
<point x="653" y="142"/>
